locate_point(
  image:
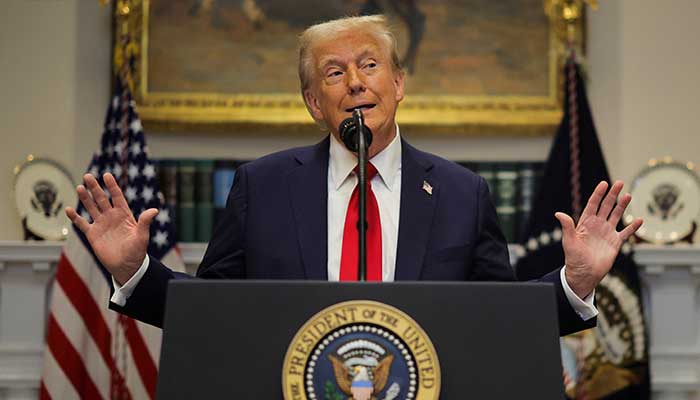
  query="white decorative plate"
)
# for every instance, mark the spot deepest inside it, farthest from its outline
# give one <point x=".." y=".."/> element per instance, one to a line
<point x="667" y="196"/>
<point x="43" y="189"/>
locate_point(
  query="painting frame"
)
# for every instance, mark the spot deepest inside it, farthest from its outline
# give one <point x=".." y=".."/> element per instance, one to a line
<point x="503" y="115"/>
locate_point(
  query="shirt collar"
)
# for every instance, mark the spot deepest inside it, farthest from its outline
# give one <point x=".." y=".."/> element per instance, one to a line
<point x="342" y="161"/>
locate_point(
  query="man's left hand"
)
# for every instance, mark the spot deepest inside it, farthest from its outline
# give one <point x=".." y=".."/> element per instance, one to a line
<point x="591" y="246"/>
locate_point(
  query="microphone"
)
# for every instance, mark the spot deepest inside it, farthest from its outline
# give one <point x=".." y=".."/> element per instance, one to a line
<point x="357" y="138"/>
<point x="348" y="130"/>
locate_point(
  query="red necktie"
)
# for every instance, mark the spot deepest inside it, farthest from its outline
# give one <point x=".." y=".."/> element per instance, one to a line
<point x="350" y="254"/>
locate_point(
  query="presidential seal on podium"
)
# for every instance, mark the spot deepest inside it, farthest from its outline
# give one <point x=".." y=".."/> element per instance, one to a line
<point x="361" y="350"/>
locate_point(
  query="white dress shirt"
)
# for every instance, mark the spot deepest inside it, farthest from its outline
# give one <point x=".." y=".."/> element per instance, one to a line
<point x="386" y="186"/>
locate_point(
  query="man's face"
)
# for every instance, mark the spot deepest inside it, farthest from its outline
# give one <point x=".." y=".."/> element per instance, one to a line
<point x="355" y="70"/>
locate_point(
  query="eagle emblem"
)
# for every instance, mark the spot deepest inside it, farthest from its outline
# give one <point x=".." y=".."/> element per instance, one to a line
<point x="363" y="377"/>
<point x="354" y="351"/>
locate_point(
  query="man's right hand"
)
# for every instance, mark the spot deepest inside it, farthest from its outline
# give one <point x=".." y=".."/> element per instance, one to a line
<point x="118" y="240"/>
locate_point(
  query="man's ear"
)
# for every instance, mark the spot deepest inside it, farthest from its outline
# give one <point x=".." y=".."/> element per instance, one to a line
<point x="313" y="105"/>
<point x="399" y="81"/>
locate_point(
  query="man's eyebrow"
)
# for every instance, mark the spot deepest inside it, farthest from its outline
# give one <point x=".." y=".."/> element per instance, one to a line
<point x="328" y="60"/>
<point x="334" y="60"/>
<point x="366" y="53"/>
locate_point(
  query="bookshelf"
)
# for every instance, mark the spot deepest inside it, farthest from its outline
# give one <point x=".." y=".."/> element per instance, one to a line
<point x="196" y="191"/>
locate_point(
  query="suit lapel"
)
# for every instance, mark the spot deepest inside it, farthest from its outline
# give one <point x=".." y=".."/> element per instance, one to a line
<point x="308" y="189"/>
<point x="416" y="215"/>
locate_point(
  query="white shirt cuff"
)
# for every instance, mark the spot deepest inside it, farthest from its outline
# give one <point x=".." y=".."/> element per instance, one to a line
<point x="122" y="293"/>
<point x="584" y="308"/>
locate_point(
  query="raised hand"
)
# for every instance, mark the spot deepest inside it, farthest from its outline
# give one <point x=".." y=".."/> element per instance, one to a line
<point x="118" y="240"/>
<point x="591" y="246"/>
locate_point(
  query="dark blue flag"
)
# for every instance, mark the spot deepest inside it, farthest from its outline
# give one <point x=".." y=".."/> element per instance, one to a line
<point x="609" y="361"/>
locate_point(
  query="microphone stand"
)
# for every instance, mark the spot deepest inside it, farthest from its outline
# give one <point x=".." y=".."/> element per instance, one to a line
<point x="359" y="122"/>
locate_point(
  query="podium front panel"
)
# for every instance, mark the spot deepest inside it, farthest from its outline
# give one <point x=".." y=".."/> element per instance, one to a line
<point x="228" y="339"/>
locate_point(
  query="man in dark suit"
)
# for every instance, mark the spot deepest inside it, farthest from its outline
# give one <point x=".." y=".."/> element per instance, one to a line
<point x="290" y="214"/>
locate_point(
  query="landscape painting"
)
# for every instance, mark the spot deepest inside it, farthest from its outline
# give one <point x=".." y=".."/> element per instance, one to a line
<point x="470" y="64"/>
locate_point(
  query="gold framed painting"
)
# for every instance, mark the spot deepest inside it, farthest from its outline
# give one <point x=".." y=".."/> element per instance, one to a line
<point x="474" y="66"/>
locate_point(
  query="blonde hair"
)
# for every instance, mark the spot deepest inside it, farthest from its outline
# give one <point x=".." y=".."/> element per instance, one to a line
<point x="375" y="25"/>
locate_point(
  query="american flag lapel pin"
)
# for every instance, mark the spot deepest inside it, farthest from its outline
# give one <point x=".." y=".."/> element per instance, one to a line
<point x="428" y="189"/>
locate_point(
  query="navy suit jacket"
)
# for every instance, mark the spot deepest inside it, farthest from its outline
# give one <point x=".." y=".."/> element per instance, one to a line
<point x="275" y="227"/>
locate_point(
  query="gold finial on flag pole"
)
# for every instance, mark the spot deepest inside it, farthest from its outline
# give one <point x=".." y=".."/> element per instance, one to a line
<point x="567" y="21"/>
<point x="126" y="49"/>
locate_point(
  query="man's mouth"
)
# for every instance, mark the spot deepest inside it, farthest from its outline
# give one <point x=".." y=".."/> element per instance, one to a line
<point x="361" y="107"/>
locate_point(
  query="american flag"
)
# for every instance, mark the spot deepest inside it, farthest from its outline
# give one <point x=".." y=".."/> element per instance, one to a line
<point x="93" y="352"/>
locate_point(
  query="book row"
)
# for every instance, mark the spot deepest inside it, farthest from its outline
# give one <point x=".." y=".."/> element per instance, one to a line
<point x="196" y="192"/>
